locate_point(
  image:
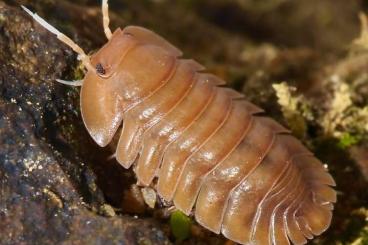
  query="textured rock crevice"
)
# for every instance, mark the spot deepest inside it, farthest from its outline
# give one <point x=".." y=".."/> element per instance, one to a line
<point x="48" y="189"/>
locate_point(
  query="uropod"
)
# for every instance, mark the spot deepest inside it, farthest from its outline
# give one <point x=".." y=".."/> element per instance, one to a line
<point x="201" y="145"/>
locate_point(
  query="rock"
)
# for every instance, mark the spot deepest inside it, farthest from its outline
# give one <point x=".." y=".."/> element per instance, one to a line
<point x="49" y="192"/>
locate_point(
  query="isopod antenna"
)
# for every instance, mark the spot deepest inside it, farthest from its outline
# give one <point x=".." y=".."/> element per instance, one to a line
<point x="106" y="19"/>
<point x="81" y="54"/>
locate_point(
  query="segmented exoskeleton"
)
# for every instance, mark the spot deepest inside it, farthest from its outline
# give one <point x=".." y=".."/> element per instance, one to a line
<point x="242" y="174"/>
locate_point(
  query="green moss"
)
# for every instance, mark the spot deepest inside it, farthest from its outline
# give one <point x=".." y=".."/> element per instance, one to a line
<point x="180" y="225"/>
<point x="347" y="140"/>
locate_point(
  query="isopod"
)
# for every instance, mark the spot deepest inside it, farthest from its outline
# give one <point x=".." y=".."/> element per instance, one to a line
<point x="205" y="147"/>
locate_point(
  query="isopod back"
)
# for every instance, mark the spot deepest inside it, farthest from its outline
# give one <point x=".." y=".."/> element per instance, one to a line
<point x="201" y="145"/>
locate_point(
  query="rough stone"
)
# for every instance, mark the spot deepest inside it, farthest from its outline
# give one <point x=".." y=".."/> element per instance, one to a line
<point x="48" y="188"/>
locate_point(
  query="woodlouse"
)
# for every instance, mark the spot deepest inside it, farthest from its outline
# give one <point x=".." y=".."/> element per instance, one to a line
<point x="243" y="174"/>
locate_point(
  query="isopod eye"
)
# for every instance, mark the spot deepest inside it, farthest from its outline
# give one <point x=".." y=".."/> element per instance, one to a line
<point x="106" y="60"/>
<point x="100" y="69"/>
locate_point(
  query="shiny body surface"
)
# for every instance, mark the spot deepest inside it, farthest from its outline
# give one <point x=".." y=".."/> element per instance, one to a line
<point x="243" y="174"/>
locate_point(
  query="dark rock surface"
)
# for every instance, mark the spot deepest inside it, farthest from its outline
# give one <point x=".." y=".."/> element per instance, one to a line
<point x="48" y="195"/>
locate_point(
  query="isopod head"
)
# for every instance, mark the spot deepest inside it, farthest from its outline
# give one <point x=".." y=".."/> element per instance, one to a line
<point x="100" y="101"/>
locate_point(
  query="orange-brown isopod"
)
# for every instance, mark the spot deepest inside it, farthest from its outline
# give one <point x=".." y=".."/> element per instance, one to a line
<point x="242" y="174"/>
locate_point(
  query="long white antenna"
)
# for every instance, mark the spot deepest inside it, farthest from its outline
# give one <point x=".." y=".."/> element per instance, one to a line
<point x="106" y="19"/>
<point x="82" y="55"/>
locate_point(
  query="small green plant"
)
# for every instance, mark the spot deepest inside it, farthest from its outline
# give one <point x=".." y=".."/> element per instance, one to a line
<point x="180" y="225"/>
<point x="346" y="140"/>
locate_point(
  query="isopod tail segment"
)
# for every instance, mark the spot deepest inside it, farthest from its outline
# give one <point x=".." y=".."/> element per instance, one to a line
<point x="76" y="48"/>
